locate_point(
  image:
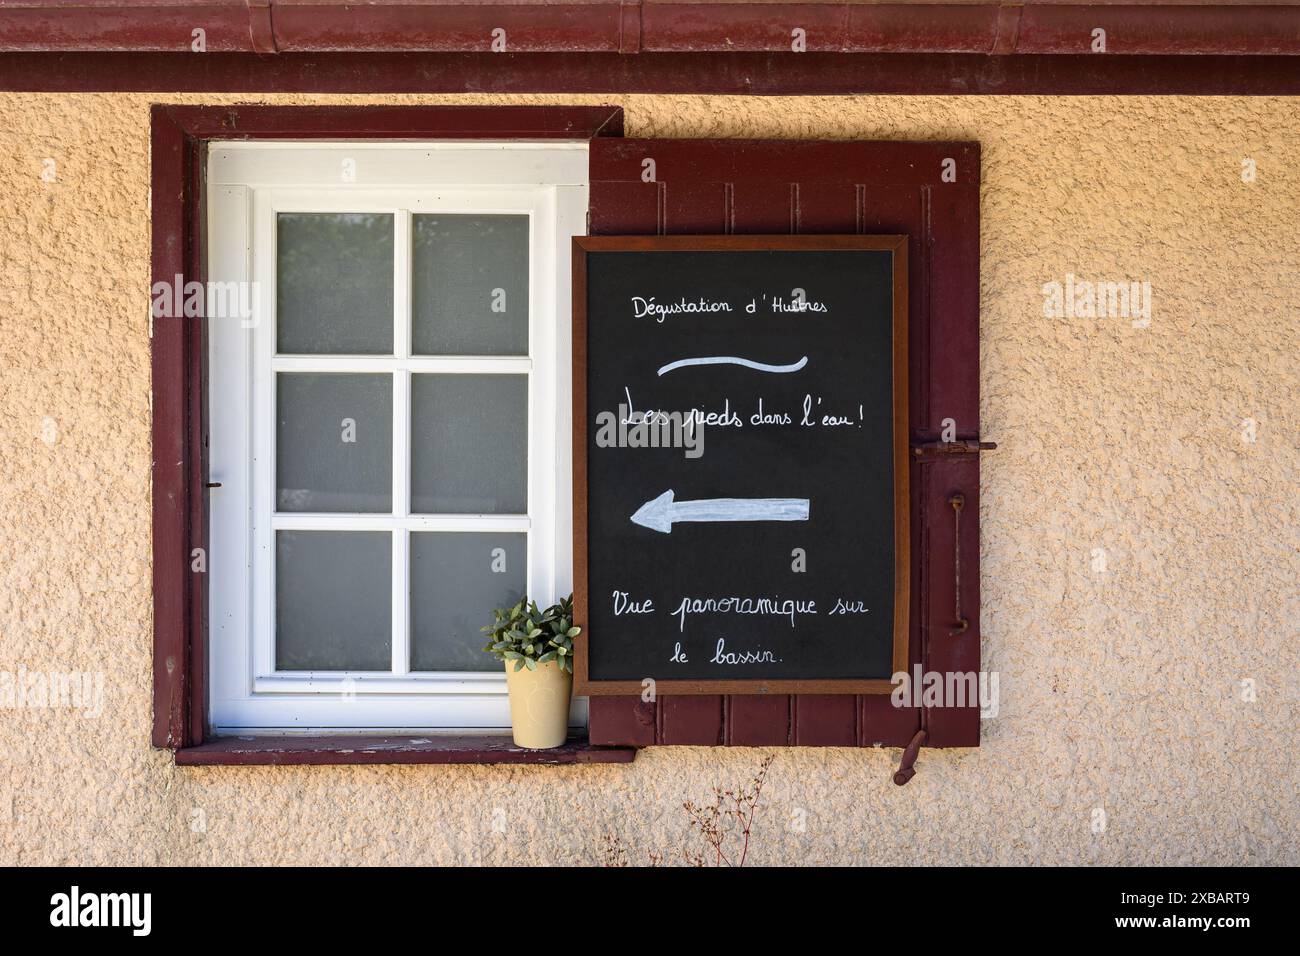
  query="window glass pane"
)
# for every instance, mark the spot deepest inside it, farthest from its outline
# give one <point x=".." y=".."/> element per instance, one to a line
<point x="469" y="444"/>
<point x="469" y="289"/>
<point x="334" y="283"/>
<point x="333" y="600"/>
<point x="334" y="442"/>
<point x="456" y="581"/>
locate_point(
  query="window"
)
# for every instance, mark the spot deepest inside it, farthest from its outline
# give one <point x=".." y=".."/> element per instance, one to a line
<point x="388" y="421"/>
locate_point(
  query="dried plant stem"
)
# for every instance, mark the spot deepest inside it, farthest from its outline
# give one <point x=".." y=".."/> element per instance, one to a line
<point x="729" y="811"/>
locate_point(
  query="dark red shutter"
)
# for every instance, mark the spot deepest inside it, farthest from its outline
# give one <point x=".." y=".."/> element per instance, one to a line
<point x="745" y="186"/>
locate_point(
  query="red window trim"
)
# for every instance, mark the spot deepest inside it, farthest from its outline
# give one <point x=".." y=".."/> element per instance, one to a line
<point x="179" y="140"/>
<point x="753" y="74"/>
<point x="467" y="748"/>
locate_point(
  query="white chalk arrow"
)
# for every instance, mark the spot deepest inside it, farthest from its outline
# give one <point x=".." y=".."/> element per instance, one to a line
<point x="660" y="513"/>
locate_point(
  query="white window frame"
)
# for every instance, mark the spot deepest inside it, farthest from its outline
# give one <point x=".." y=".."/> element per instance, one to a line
<point x="248" y="184"/>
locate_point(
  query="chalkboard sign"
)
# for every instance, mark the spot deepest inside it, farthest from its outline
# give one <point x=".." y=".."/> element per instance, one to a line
<point x="740" y="463"/>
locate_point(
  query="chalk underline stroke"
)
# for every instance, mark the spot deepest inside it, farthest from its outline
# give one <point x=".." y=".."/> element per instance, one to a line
<point x="734" y="360"/>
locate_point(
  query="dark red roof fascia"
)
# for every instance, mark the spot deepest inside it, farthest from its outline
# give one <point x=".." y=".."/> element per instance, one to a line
<point x="664" y="26"/>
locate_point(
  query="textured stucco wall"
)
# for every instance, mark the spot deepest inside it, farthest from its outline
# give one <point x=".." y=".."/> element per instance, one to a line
<point x="1121" y="689"/>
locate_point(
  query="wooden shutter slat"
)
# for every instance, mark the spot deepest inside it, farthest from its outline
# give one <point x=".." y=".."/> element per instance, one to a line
<point x="624" y="207"/>
<point x="696" y="721"/>
<point x="884" y="725"/>
<point x="831" y="208"/>
<point x="954" y="307"/>
<point x="767" y="207"/>
<point x="693" y="208"/>
<point x="621" y="721"/>
<point x="755" y="720"/>
<point x="952" y="391"/>
<point x="825" y="720"/>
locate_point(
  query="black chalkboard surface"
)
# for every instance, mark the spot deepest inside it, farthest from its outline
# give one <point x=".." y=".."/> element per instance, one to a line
<point x="740" y="469"/>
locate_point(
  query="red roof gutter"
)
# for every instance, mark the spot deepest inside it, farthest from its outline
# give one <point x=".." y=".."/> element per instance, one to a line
<point x="650" y="26"/>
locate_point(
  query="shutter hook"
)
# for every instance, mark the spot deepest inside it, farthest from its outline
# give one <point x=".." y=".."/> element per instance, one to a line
<point x="958" y="501"/>
<point x="906" y="766"/>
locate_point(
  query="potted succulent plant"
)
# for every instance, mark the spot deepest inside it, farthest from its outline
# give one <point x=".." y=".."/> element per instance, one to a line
<point x="537" y="648"/>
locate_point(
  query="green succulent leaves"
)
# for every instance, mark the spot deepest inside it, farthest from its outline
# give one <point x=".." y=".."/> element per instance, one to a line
<point x="529" y="637"/>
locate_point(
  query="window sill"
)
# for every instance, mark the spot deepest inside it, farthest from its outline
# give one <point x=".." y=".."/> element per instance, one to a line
<point x="348" y="749"/>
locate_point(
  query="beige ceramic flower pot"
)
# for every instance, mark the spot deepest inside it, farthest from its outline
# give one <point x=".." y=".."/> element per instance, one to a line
<point x="539" y="705"/>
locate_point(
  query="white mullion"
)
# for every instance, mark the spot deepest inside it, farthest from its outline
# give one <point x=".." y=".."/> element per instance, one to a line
<point x="402" y="252"/>
<point x="401" y="611"/>
<point x="401" y="443"/>
<point x="400" y="517"/>
<point x="231" y="576"/>
<point x="465" y="364"/>
<point x="542" y="398"/>
<point x="570" y="220"/>
<point x="533" y="585"/>
<point x="401" y="605"/>
<point x="263" y="429"/>
<point x="322" y="521"/>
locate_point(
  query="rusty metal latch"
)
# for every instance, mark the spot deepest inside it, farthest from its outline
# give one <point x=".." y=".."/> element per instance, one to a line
<point x="946" y="450"/>
<point x="943" y="451"/>
<point x="958" y="501"/>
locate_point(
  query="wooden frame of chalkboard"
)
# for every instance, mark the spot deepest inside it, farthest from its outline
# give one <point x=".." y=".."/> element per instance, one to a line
<point x="894" y="244"/>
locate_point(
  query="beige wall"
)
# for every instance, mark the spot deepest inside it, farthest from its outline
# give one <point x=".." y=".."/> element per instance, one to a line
<point x="1120" y="689"/>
